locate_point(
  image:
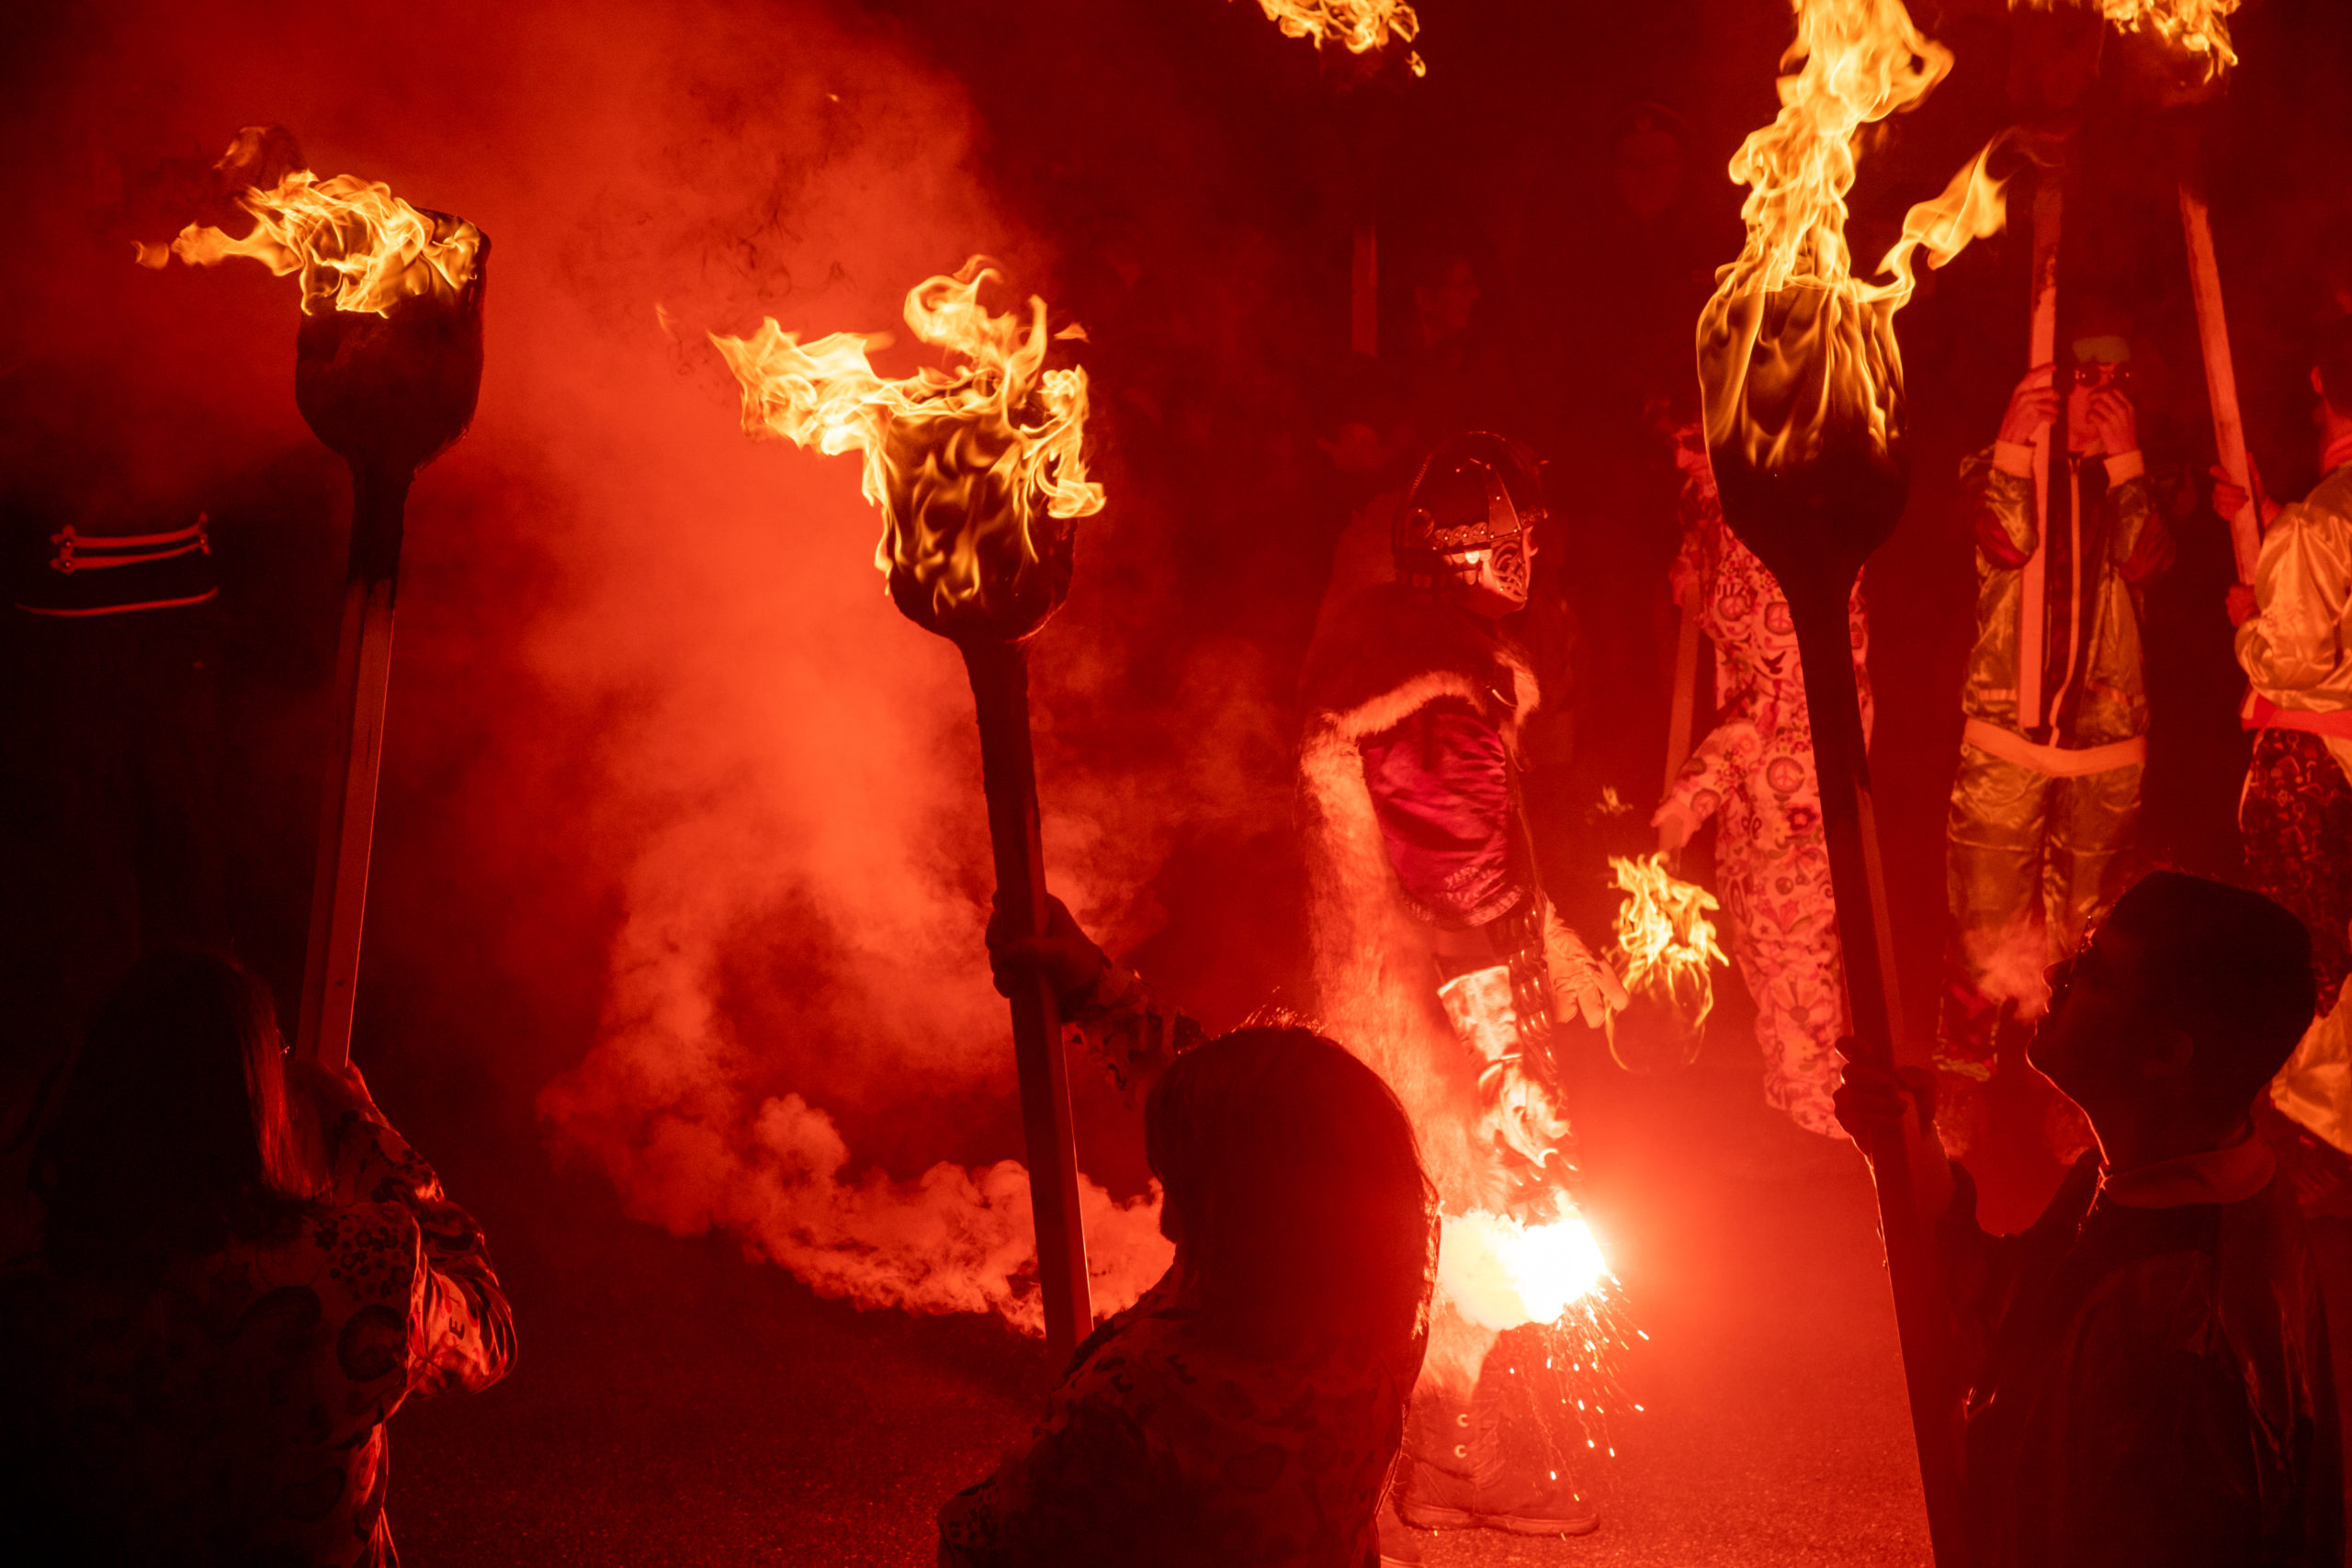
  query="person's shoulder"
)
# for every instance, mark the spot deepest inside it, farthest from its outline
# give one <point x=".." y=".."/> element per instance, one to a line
<point x="1388" y="650"/>
<point x="2328" y="507"/>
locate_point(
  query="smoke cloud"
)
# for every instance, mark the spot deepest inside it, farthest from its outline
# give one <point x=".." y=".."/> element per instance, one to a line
<point x="697" y="708"/>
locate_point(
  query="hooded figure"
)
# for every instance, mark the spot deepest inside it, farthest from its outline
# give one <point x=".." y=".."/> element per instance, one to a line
<point x="1436" y="956"/>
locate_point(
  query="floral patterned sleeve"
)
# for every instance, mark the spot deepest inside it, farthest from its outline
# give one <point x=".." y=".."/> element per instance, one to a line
<point x="1130" y="1031"/>
<point x="1721" y="763"/>
<point x="463" y="1333"/>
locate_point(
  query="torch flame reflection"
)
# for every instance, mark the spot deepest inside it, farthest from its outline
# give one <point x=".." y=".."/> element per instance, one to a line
<point x="1666" y="937"/>
<point x="1792" y="346"/>
<point x="354" y="242"/>
<point x="1361" y="27"/>
<point x="977" y="467"/>
<point x="1501" y="1272"/>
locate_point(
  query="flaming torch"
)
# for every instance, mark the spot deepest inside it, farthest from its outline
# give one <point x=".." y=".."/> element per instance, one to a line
<point x="1801" y="382"/>
<point x="387" y="369"/>
<point x="979" y="473"/>
<point x="1360" y="26"/>
<point x="1666" y="945"/>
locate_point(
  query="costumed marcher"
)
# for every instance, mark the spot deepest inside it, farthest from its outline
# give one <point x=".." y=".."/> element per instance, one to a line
<point x="1754" y="772"/>
<point x="2047" y="796"/>
<point x="2294" y="641"/>
<point x="1436" y="955"/>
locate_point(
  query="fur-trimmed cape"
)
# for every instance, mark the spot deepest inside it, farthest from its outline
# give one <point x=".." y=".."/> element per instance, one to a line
<point x="1385" y="654"/>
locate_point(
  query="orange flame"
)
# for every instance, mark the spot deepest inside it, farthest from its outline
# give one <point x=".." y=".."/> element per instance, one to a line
<point x="2193" y="26"/>
<point x="1501" y="1272"/>
<point x="354" y="242"/>
<point x="974" y="466"/>
<point x="1666" y="937"/>
<point x="1361" y="27"/>
<point x="1792" y="346"/>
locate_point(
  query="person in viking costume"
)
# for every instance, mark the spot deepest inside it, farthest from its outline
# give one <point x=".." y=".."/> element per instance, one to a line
<point x="1436" y="956"/>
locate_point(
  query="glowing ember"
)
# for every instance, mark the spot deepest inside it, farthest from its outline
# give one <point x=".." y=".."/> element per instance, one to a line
<point x="1500" y="1273"/>
<point x="1793" y="350"/>
<point x="1666" y="938"/>
<point x="354" y="242"/>
<point x="977" y="467"/>
<point x="1360" y="26"/>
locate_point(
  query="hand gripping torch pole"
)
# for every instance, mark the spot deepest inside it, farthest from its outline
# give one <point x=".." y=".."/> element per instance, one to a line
<point x="386" y="393"/>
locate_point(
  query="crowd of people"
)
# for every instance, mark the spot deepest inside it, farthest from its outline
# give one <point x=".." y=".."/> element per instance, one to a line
<point x="242" y="1271"/>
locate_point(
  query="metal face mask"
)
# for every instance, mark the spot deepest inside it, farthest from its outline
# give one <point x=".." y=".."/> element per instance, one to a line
<point x="1460" y="529"/>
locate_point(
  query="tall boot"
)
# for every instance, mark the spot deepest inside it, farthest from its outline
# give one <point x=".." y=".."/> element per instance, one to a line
<point x="1457" y="1475"/>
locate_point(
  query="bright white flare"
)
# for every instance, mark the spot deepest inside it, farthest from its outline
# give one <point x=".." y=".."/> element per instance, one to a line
<point x="1500" y="1273"/>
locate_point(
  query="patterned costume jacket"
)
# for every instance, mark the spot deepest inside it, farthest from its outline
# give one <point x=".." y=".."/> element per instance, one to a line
<point x="1754" y="772"/>
<point x="239" y="1407"/>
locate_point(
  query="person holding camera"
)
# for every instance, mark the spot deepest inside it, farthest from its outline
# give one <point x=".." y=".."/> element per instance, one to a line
<point x="2047" y="796"/>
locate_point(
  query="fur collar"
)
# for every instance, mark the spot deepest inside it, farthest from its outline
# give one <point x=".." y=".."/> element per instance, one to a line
<point x="1389" y="651"/>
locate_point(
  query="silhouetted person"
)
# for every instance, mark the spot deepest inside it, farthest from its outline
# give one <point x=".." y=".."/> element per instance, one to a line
<point x="238" y="1287"/>
<point x="2147" y="1365"/>
<point x="1248" y="1410"/>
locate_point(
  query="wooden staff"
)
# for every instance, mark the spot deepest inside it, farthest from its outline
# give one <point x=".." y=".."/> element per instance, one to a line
<point x="1813" y="526"/>
<point x="1866" y="944"/>
<point x="2220" y="373"/>
<point x="1686" y="686"/>
<point x="2048" y="207"/>
<point x="388" y="393"/>
<point x="999" y="673"/>
<point x="347" y="815"/>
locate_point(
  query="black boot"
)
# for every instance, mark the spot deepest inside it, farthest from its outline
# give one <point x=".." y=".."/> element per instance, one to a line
<point x="1457" y="1476"/>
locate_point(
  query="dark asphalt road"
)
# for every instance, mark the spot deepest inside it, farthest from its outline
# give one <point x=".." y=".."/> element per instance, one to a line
<point x="676" y="1404"/>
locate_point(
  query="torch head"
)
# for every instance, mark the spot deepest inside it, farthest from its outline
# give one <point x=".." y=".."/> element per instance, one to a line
<point x="955" y="483"/>
<point x="1803" y="393"/>
<point x="390" y="392"/>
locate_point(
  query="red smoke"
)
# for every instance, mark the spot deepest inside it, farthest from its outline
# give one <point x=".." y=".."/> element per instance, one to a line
<point x="693" y="702"/>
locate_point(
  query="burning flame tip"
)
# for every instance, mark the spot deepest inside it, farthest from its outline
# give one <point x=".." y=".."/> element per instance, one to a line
<point x="1782" y="378"/>
<point x="982" y="456"/>
<point x="354" y="244"/>
<point x="1360" y="26"/>
<point x="1664" y="936"/>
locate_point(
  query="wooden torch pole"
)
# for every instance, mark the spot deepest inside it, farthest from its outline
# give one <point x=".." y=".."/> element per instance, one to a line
<point x="1866" y="942"/>
<point x="999" y="673"/>
<point x="348" y="815"/>
<point x="2220" y="371"/>
<point x="2049" y="206"/>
